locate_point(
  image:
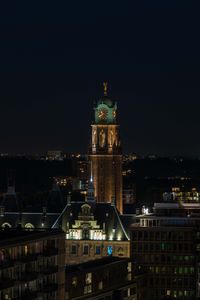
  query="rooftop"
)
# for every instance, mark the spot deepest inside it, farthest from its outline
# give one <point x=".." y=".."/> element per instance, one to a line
<point x="15" y="236"/>
<point x="94" y="264"/>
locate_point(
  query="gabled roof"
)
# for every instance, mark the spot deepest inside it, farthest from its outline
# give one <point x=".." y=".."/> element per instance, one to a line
<point x="127" y="221"/>
<point x="104" y="213"/>
<point x="36" y="219"/>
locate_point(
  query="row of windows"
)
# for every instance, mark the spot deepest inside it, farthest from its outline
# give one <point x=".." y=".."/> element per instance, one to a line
<point x="166" y="259"/>
<point x="24" y="250"/>
<point x="172" y="270"/>
<point x="172" y="281"/>
<point x="167" y="222"/>
<point x="162" y="247"/>
<point x="35" y="285"/>
<point x="88" y="281"/>
<point x="161" y="236"/>
<point x="176" y="293"/>
<point x="88" y="285"/>
<point x="86" y="249"/>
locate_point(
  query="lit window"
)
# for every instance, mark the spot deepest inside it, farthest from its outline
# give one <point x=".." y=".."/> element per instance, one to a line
<point x="74" y="281"/>
<point x="100" y="285"/>
<point x="129" y="267"/>
<point x="25" y="249"/>
<point x="129" y="276"/>
<point x="110" y="250"/>
<point x="29" y="226"/>
<point x="88" y="278"/>
<point x="87" y="289"/>
<point x="6" y="225"/>
<point x="168" y="292"/>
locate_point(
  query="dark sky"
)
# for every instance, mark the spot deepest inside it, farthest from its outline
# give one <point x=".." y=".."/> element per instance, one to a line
<point x="55" y="55"/>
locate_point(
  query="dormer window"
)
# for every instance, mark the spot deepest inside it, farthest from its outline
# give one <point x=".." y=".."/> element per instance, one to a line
<point x="86" y="210"/>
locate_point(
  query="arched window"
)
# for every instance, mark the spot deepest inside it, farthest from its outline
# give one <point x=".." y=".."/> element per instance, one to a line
<point x="86" y="233"/>
<point x="29" y="226"/>
<point x="6" y="225"/>
<point x="85" y="209"/>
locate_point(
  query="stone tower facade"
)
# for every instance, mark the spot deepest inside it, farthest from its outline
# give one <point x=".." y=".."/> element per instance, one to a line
<point x="106" y="154"/>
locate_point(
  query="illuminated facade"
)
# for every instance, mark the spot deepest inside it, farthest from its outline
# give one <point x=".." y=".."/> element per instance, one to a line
<point x="106" y="154"/>
<point x="93" y="230"/>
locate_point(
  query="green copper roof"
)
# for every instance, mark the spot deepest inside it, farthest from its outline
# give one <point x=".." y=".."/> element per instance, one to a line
<point x="105" y="111"/>
<point x="106" y="101"/>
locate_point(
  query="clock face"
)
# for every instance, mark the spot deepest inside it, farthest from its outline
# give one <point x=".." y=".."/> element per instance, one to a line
<point x="102" y="114"/>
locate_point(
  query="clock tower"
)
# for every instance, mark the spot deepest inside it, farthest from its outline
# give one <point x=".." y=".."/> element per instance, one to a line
<point x="106" y="154"/>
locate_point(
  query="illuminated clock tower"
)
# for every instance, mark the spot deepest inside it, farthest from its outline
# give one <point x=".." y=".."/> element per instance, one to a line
<point x="106" y="154"/>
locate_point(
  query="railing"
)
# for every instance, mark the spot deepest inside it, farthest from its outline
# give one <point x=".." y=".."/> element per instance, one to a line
<point x="6" y="264"/>
<point x="6" y="283"/>
<point x="28" y="276"/>
<point x="50" y="252"/>
<point x="27" y="258"/>
<point x="49" y="288"/>
<point x="50" y="270"/>
<point x="27" y="295"/>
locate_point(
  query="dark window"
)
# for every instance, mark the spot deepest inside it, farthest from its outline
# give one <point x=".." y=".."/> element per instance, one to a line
<point x="85" y="249"/>
<point x="133" y="291"/>
<point x="98" y="250"/>
<point x="73" y="249"/>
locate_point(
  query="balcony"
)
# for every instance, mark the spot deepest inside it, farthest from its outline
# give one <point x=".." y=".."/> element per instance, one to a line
<point x="28" y="276"/>
<point x="6" y="283"/>
<point x="6" y="264"/>
<point x="49" y="288"/>
<point x="28" y="257"/>
<point x="30" y="295"/>
<point x="50" y="252"/>
<point x="50" y="270"/>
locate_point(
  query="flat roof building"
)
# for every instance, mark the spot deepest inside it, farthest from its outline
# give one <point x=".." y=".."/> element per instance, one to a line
<point x="32" y="265"/>
<point x="167" y="243"/>
<point x="109" y="278"/>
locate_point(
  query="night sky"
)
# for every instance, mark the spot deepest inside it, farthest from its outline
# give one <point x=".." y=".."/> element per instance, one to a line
<point x="54" y="57"/>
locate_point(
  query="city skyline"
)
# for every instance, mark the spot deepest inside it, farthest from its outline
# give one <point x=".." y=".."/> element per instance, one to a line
<point x="53" y="63"/>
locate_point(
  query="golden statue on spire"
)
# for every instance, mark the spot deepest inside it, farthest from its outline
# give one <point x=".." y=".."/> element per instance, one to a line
<point x="105" y="88"/>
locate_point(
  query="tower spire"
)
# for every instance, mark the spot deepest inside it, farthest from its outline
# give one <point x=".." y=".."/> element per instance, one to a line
<point x="105" y="88"/>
